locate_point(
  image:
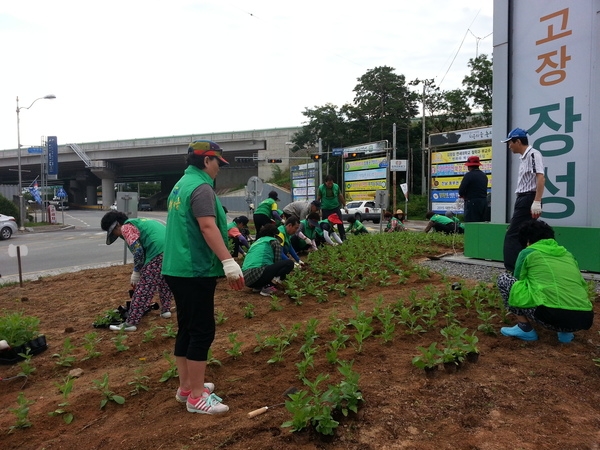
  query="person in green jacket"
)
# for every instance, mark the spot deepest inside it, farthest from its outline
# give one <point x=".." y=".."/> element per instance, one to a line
<point x="332" y="202"/>
<point x="266" y="212"/>
<point x="308" y="234"/>
<point x="547" y="287"/>
<point x="443" y="224"/>
<point x="195" y="256"/>
<point x="356" y="227"/>
<point x="145" y="239"/>
<point x="264" y="262"/>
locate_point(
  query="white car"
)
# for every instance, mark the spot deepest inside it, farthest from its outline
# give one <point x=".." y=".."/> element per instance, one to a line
<point x="362" y="210"/>
<point x="8" y="226"/>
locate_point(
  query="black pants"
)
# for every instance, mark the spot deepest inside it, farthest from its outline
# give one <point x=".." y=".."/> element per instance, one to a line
<point x="195" y="300"/>
<point x="475" y="210"/>
<point x="260" y="220"/>
<point x="279" y="269"/>
<point x="521" y="214"/>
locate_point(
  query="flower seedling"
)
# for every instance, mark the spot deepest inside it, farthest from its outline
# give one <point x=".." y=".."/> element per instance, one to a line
<point x="139" y="382"/>
<point x="248" y="311"/>
<point x="220" y="319"/>
<point x="90" y="341"/>
<point x="430" y="357"/>
<point x="65" y="357"/>
<point x="21" y="412"/>
<point x="236" y="349"/>
<point x="150" y="334"/>
<point x="211" y="361"/>
<point x="65" y="389"/>
<point x="170" y="331"/>
<point x="275" y="303"/>
<point x="119" y="341"/>
<point x="25" y="365"/>
<point x="107" y="394"/>
<point x="171" y="371"/>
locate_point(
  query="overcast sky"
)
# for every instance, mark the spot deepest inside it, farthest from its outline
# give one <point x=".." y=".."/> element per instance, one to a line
<point x="136" y="69"/>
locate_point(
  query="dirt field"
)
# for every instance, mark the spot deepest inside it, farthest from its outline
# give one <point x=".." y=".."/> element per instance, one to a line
<point x="535" y="395"/>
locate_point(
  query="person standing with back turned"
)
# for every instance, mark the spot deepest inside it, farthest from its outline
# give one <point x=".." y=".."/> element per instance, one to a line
<point x="195" y="256"/>
<point x="473" y="189"/>
<point x="530" y="188"/>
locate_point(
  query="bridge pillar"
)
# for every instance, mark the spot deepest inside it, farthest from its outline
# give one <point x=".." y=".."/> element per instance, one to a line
<point x="91" y="195"/>
<point x="108" y="192"/>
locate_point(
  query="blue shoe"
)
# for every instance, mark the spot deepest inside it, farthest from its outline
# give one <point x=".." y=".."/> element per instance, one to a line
<point x="518" y="333"/>
<point x="565" y="338"/>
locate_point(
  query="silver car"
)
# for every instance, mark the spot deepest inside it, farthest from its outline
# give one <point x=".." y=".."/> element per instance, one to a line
<point x="8" y="226"/>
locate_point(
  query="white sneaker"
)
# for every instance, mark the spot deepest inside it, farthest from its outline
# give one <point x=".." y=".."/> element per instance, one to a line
<point x="123" y="326"/>
<point x="166" y="315"/>
<point x="207" y="404"/>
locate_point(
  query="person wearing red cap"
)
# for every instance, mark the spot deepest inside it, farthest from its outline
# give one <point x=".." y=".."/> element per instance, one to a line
<point x="473" y="189"/>
<point x="195" y="256"/>
<point x="326" y="226"/>
<point x="530" y="188"/>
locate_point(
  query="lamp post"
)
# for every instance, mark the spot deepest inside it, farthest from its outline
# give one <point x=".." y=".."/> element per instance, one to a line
<point x="426" y="84"/>
<point x="21" y="208"/>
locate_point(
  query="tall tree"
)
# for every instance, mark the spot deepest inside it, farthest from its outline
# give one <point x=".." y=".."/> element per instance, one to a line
<point x="381" y="99"/>
<point x="327" y="122"/>
<point x="478" y="86"/>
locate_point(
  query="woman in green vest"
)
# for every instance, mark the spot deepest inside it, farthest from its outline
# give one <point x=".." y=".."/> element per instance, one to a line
<point x="266" y="212"/>
<point x="195" y="256"/>
<point x="145" y="239"/>
<point x="332" y="202"/>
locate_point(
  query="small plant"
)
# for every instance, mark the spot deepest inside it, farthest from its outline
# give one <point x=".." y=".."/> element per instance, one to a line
<point x="430" y="357"/>
<point x="150" y="334"/>
<point x="107" y="394"/>
<point x="22" y="413"/>
<point x="486" y="317"/>
<point x="90" y="341"/>
<point x="235" y="350"/>
<point x="65" y="389"/>
<point x="211" y="361"/>
<point x="170" y="331"/>
<point x="139" y="382"/>
<point x="220" y="319"/>
<point x="107" y="318"/>
<point x="307" y="362"/>
<point x="248" y="311"/>
<point x="65" y="357"/>
<point x="172" y="370"/>
<point x="119" y="341"/>
<point x="275" y="303"/>
<point x="25" y="365"/>
<point x="386" y="317"/>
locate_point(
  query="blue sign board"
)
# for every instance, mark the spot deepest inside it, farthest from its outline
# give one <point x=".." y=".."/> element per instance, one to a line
<point x="337" y="152"/>
<point x="52" y="157"/>
<point x="61" y="193"/>
<point x="35" y="150"/>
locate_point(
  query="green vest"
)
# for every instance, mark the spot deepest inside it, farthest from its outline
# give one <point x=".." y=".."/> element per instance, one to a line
<point x="186" y="252"/>
<point x="309" y="232"/>
<point x="260" y="254"/>
<point x="265" y="207"/>
<point x="231" y="225"/>
<point x="330" y="202"/>
<point x="357" y="226"/>
<point x="286" y="236"/>
<point x="152" y="237"/>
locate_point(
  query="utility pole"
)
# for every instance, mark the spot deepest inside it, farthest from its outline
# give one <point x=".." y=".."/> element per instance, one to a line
<point x="394" y="172"/>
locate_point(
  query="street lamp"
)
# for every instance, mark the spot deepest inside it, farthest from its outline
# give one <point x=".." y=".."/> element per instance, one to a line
<point x="21" y="208"/>
<point x="427" y="83"/>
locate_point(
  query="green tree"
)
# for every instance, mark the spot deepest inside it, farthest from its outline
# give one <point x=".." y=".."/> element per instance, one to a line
<point x="8" y="208"/>
<point x="381" y="99"/>
<point x="478" y="86"/>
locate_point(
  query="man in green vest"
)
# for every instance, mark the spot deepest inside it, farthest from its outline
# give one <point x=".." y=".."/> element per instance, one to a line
<point x="195" y="256"/>
<point x="266" y="212"/>
<point x="443" y="224"/>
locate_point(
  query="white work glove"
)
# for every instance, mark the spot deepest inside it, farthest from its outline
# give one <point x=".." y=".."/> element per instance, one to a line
<point x="536" y="209"/>
<point x="308" y="241"/>
<point x="232" y="270"/>
<point x="135" y="277"/>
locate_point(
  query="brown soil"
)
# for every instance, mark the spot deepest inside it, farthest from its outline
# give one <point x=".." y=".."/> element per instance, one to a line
<point x="519" y="395"/>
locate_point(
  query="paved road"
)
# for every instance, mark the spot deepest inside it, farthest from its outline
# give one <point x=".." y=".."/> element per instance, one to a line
<point x="81" y="247"/>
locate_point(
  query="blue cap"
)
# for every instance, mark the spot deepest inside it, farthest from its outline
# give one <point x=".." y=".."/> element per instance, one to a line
<point x="516" y="133"/>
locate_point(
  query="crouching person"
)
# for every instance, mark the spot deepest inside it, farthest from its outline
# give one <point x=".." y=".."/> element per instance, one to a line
<point x="235" y="231"/>
<point x="264" y="264"/>
<point x="547" y="287"/>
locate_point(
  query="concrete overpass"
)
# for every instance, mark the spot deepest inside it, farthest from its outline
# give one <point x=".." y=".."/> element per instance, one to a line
<point x="85" y="166"/>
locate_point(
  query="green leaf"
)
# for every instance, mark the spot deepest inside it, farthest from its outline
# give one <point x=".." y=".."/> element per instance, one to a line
<point x="68" y="418"/>
<point x="118" y="399"/>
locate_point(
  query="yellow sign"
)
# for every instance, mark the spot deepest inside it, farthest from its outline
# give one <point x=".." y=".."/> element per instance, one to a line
<point x="366" y="185"/>
<point x="360" y="195"/>
<point x="451" y="182"/>
<point x="461" y="155"/>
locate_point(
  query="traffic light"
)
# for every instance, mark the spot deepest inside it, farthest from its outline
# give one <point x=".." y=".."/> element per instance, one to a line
<point x="274" y="160"/>
<point x="319" y="157"/>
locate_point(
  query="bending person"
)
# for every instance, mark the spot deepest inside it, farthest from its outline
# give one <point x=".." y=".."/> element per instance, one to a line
<point x="547" y="287"/>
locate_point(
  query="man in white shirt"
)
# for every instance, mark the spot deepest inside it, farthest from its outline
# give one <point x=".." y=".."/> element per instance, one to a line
<point x="530" y="188"/>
